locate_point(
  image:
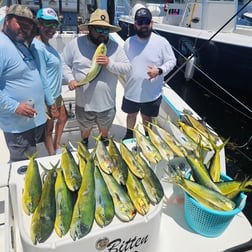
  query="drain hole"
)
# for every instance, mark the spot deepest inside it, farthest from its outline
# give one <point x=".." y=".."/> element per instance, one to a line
<point x="22" y="169"/>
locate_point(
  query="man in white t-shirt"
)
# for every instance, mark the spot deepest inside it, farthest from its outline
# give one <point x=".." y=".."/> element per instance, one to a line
<point x="151" y="57"/>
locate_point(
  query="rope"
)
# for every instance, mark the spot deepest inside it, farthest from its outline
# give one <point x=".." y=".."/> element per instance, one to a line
<point x="203" y="45"/>
<point x="218" y="85"/>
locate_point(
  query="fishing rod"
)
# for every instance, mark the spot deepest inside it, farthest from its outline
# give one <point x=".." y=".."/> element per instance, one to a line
<point x="206" y="43"/>
<point x="78" y="17"/>
<point x="60" y="16"/>
<point x="40" y="4"/>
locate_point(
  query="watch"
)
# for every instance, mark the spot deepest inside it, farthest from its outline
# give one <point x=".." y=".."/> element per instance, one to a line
<point x="160" y="71"/>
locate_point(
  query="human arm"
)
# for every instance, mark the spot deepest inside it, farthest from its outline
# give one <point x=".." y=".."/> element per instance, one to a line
<point x="12" y="106"/>
<point x="67" y="61"/>
<point x="118" y="61"/>
<point x="42" y="57"/>
<point x="169" y="59"/>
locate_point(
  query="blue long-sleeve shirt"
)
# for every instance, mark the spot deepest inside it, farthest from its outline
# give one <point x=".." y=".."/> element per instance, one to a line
<point x="19" y="81"/>
<point x="50" y="67"/>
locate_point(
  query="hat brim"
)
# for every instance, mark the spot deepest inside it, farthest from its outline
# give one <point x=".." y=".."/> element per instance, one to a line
<point x="32" y="19"/>
<point x="112" y="28"/>
<point x="50" y="19"/>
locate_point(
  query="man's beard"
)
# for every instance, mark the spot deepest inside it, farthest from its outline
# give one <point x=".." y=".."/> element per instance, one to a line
<point x="18" y="37"/>
<point x="99" y="39"/>
<point x="143" y="32"/>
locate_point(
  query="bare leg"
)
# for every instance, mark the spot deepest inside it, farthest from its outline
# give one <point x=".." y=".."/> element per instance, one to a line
<point x="85" y="133"/>
<point x="146" y="120"/>
<point x="104" y="132"/>
<point x="48" y="138"/>
<point x="131" y="120"/>
<point x="59" y="127"/>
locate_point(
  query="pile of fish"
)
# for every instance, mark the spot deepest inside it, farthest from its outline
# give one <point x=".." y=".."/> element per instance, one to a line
<point x="91" y="186"/>
<point x="206" y="184"/>
<point x="116" y="181"/>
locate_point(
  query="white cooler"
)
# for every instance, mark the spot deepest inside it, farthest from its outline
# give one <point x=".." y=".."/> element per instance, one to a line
<point x="140" y="234"/>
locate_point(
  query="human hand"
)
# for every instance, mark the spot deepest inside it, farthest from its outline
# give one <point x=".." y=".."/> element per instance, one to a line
<point x="153" y="72"/>
<point x="25" y="109"/>
<point x="102" y="60"/>
<point x="72" y="84"/>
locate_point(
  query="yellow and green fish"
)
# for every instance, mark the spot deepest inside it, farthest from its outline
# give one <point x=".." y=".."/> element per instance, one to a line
<point x="120" y="171"/>
<point x="84" y="208"/>
<point x="104" y="207"/>
<point x="150" y="181"/>
<point x="149" y="151"/>
<point x="130" y="160"/>
<point x="137" y="194"/>
<point x="64" y="205"/>
<point x="32" y="186"/>
<point x="70" y="170"/>
<point x="95" y="67"/>
<point x="124" y="209"/>
<point x="43" y="219"/>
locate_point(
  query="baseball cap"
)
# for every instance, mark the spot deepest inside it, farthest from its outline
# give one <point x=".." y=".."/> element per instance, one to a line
<point x="47" y="14"/>
<point x="143" y="13"/>
<point x="20" y="11"/>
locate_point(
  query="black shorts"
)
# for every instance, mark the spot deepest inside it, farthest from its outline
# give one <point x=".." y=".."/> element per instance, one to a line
<point x="22" y="144"/>
<point x="146" y="108"/>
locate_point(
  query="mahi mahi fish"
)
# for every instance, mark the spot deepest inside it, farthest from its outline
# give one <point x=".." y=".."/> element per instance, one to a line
<point x="120" y="172"/>
<point x="32" y="186"/>
<point x="150" y="181"/>
<point x="70" y="170"/>
<point x="137" y="194"/>
<point x="124" y="208"/>
<point x="149" y="151"/>
<point x="95" y="67"/>
<point x="130" y="160"/>
<point x="102" y="155"/>
<point x="201" y="193"/>
<point x="84" y="208"/>
<point x="104" y="207"/>
<point x="64" y="205"/>
<point x="42" y="223"/>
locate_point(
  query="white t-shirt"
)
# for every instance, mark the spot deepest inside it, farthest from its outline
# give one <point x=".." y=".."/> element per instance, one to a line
<point x="155" y="51"/>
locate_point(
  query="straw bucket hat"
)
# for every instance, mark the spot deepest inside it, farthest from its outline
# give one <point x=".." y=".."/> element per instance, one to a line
<point x="99" y="18"/>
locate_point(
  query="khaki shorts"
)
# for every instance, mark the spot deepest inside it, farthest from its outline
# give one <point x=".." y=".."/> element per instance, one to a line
<point x="88" y="119"/>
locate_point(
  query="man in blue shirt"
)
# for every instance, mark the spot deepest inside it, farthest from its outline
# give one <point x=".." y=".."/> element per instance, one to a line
<point x="22" y="109"/>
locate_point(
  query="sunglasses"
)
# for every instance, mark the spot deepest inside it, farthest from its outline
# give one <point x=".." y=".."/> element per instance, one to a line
<point x="101" y="30"/>
<point x="143" y="21"/>
<point x="50" y="25"/>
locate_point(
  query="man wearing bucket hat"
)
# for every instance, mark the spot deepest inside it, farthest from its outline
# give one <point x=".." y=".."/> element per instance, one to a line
<point x="50" y="68"/>
<point x="95" y="102"/>
<point x="150" y="63"/>
<point x="22" y="111"/>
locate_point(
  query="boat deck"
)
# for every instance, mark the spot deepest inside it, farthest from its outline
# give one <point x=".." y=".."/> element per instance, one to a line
<point x="174" y="233"/>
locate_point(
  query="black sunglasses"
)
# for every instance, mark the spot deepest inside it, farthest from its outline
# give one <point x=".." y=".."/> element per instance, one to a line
<point x="143" y="21"/>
